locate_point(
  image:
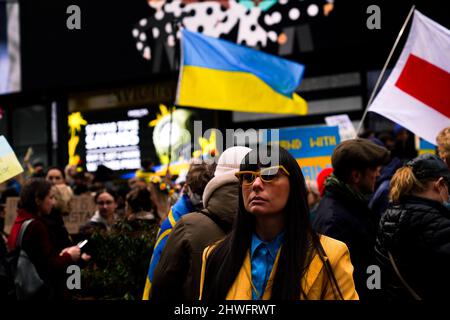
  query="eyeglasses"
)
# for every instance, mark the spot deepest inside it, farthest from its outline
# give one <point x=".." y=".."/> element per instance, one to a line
<point x="101" y="203"/>
<point x="266" y="175"/>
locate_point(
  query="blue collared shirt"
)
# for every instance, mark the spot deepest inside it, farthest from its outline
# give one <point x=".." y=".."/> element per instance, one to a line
<point x="262" y="255"/>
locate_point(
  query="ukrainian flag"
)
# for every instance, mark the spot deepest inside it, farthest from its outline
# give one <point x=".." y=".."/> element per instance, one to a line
<point x="218" y="74"/>
<point x="180" y="208"/>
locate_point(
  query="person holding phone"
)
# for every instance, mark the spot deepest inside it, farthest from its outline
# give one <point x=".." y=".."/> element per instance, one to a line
<point x="36" y="201"/>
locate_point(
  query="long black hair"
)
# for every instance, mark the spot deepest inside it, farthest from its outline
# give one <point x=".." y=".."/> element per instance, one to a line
<point x="300" y="241"/>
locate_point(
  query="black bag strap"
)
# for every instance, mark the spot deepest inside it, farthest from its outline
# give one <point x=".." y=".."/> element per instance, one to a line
<point x="410" y="290"/>
<point x="326" y="262"/>
<point x="23" y="228"/>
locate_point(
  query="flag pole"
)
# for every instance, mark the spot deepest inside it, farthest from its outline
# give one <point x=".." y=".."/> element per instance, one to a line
<point x="380" y="77"/>
<point x="175" y="27"/>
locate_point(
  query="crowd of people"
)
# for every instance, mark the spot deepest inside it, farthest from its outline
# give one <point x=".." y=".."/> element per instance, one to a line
<point x="241" y="228"/>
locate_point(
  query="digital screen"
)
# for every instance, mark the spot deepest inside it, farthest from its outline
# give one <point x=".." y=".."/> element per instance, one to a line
<point x="121" y="138"/>
<point x="113" y="144"/>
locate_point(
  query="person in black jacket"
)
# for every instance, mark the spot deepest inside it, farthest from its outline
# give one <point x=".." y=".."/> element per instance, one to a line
<point x="414" y="233"/>
<point x="343" y="212"/>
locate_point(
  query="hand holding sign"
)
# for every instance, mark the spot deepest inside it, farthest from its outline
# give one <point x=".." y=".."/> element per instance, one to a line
<point x="28" y="155"/>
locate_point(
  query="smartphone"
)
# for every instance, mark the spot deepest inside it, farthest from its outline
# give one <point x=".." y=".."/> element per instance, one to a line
<point x="82" y="244"/>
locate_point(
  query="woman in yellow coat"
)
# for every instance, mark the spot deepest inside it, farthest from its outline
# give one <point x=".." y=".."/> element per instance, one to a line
<point x="272" y="251"/>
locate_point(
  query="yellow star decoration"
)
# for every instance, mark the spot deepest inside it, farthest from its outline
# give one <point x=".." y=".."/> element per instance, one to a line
<point x="207" y="146"/>
<point x="163" y="112"/>
<point x="75" y="122"/>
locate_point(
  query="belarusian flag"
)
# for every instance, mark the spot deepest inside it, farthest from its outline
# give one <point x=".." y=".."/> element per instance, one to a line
<point x="417" y="93"/>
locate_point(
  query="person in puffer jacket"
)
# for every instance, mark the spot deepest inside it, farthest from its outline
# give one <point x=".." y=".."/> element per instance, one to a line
<point x="413" y="242"/>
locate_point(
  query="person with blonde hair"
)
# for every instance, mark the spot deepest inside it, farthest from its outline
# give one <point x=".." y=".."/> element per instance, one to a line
<point x="443" y="149"/>
<point x="443" y="144"/>
<point x="63" y="195"/>
<point x="413" y="242"/>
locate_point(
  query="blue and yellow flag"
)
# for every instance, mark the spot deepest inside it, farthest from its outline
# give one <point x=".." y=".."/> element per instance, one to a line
<point x="180" y="208"/>
<point x="218" y="74"/>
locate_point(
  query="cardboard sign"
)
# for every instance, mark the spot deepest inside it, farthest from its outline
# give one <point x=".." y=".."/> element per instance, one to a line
<point x="9" y="165"/>
<point x="346" y="129"/>
<point x="82" y="209"/>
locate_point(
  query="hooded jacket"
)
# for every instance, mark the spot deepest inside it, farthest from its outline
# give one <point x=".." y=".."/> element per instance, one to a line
<point x="177" y="275"/>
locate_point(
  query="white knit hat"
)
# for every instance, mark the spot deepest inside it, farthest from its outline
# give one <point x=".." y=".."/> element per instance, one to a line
<point x="230" y="160"/>
<point x="227" y="165"/>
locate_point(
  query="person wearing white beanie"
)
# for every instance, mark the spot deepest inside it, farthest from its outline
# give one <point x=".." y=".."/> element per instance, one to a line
<point x="227" y="165"/>
<point x="230" y="160"/>
<point x="177" y="275"/>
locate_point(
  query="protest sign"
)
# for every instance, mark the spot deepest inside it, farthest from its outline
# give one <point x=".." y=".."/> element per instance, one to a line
<point x="310" y="146"/>
<point x="9" y="165"/>
<point x="81" y="210"/>
<point x="346" y="128"/>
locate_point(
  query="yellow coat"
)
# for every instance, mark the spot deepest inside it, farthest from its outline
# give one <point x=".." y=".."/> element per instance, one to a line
<point x="313" y="282"/>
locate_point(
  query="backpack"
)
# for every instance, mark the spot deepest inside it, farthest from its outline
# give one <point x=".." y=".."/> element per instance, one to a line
<point x="22" y="279"/>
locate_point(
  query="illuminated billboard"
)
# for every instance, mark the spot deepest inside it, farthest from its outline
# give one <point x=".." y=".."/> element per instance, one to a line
<point x="113" y="144"/>
<point x="121" y="138"/>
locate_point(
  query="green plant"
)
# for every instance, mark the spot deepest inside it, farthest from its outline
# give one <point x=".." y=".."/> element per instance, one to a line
<point x="120" y="260"/>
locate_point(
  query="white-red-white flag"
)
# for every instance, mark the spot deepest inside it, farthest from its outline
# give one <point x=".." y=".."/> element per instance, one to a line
<point x="417" y="93"/>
